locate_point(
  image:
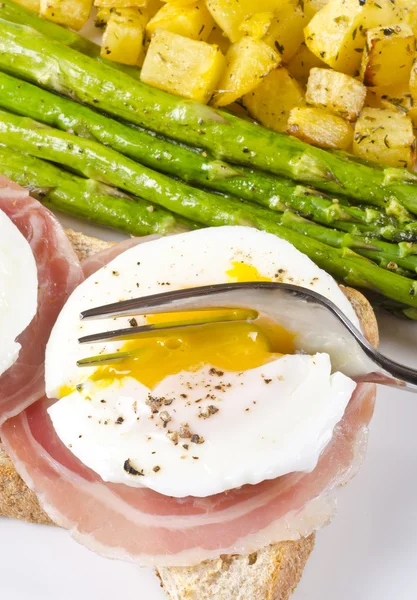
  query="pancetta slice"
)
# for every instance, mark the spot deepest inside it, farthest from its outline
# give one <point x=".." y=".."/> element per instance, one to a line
<point x="140" y="525"/>
<point x="59" y="272"/>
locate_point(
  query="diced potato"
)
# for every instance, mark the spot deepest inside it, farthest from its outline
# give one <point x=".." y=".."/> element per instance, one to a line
<point x="120" y="3"/>
<point x="179" y="2"/>
<point x="320" y="128"/>
<point x="411" y="7"/>
<point x="230" y="14"/>
<point x="385" y="136"/>
<point x="30" y="4"/>
<point x="388" y="56"/>
<point x="413" y="83"/>
<point x="190" y="20"/>
<point x="72" y="13"/>
<point x="248" y="62"/>
<point x="302" y="62"/>
<point x="182" y="66"/>
<point x="334" y="35"/>
<point x="336" y="92"/>
<point x="380" y="13"/>
<point x="219" y="38"/>
<point x="392" y="98"/>
<point x="337" y="33"/>
<point x="271" y="102"/>
<point x="123" y="39"/>
<point x="149" y="6"/>
<point x="286" y="33"/>
<point x="257" y="25"/>
<point x="397" y="98"/>
<point x="311" y="7"/>
<point x="106" y="7"/>
<point x="103" y="15"/>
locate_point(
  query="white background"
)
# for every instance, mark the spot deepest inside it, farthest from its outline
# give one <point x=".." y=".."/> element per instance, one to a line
<point x="369" y="552"/>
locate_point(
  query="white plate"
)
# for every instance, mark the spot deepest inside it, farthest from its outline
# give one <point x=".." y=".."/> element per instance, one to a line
<point x="369" y="552"/>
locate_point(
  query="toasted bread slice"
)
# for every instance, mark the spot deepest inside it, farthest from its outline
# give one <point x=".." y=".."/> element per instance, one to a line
<point x="269" y="574"/>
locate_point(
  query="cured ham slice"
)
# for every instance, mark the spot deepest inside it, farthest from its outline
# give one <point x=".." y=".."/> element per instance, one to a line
<point x="140" y="525"/>
<point x="59" y="272"/>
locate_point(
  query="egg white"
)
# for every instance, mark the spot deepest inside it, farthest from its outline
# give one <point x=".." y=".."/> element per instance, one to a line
<point x="270" y="421"/>
<point x="261" y="430"/>
<point x="18" y="289"/>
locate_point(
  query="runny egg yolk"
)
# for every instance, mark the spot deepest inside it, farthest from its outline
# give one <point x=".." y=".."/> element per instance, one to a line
<point x="242" y="272"/>
<point x="232" y="346"/>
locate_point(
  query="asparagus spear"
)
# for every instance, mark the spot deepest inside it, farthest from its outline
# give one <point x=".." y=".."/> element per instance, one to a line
<point x="197" y="167"/>
<point x="88" y="199"/>
<point x="30" y="55"/>
<point x="9" y="11"/>
<point x="91" y="199"/>
<point x="395" y="308"/>
<point x="401" y="258"/>
<point x="106" y="165"/>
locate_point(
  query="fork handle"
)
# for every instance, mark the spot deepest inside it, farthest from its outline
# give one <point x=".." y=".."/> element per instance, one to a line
<point x="392" y="374"/>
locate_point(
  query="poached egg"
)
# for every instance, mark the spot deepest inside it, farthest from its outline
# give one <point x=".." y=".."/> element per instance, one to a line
<point x="18" y="289"/>
<point x="200" y="411"/>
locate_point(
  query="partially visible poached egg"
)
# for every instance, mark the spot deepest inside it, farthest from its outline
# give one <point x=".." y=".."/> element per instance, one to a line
<point x="203" y="410"/>
<point x="18" y="289"/>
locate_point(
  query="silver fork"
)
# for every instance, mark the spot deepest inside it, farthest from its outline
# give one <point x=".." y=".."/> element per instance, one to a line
<point x="318" y="323"/>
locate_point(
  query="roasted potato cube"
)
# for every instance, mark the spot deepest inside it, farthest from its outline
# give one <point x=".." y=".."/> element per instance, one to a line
<point x="30" y="4"/>
<point x="270" y="103"/>
<point x="388" y="56"/>
<point x="123" y="39"/>
<point x="286" y="32"/>
<point x="389" y="97"/>
<point x="381" y="13"/>
<point x="411" y="7"/>
<point x="185" y="67"/>
<point x="413" y="85"/>
<point x="337" y="33"/>
<point x="120" y="4"/>
<point x="320" y="128"/>
<point x="336" y="92"/>
<point x="190" y="20"/>
<point x="178" y="2"/>
<point x="103" y="15"/>
<point x="385" y="136"/>
<point x="219" y="38"/>
<point x="396" y="98"/>
<point x="150" y="7"/>
<point x="334" y="35"/>
<point x="230" y="14"/>
<point x="302" y="62"/>
<point x="248" y="62"/>
<point x="72" y="13"/>
<point x="311" y="7"/>
<point x="257" y="25"/>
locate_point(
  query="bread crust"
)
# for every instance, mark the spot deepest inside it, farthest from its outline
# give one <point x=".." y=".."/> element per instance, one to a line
<point x="16" y="499"/>
<point x="365" y="314"/>
<point x="270" y="574"/>
<point x="85" y="246"/>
